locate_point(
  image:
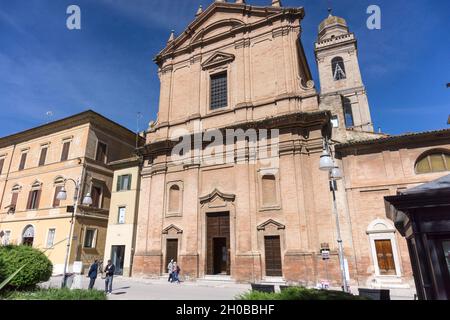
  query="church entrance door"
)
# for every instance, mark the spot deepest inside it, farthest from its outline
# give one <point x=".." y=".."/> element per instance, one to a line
<point x="218" y="243"/>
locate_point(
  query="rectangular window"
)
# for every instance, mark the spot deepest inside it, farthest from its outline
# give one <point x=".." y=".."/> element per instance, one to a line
<point x="7" y="238"/>
<point x="50" y="238"/>
<point x="43" y="156"/>
<point x="385" y="257"/>
<point x="89" y="238"/>
<point x="348" y="114"/>
<point x="65" y="151"/>
<point x="96" y="196"/>
<point x="12" y="206"/>
<point x="335" y="121"/>
<point x="101" y="152"/>
<point x="33" y="199"/>
<point x="121" y="218"/>
<point x="219" y="91"/>
<point x="124" y="183"/>
<point x="2" y="162"/>
<point x="23" y="160"/>
<point x="56" y="202"/>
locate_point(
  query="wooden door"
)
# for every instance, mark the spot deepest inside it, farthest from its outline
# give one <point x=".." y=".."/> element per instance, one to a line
<point x="273" y="256"/>
<point x="171" y="251"/>
<point x="385" y="257"/>
<point x="218" y="243"/>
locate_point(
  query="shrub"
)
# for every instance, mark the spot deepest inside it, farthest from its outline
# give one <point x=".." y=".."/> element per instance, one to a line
<point x="299" y="293"/>
<point x="38" y="266"/>
<point x="57" y="294"/>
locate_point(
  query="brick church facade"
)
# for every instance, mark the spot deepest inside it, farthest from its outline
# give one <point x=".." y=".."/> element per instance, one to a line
<point x="242" y="67"/>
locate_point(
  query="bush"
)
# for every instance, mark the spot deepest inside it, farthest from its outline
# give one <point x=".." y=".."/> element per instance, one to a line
<point x="57" y="294"/>
<point x="299" y="293"/>
<point x="38" y="266"/>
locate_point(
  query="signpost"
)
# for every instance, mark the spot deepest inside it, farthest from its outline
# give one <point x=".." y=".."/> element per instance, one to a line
<point x="325" y="257"/>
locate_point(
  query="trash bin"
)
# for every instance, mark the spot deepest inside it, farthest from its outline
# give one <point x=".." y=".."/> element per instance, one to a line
<point x="375" y="294"/>
<point x="69" y="279"/>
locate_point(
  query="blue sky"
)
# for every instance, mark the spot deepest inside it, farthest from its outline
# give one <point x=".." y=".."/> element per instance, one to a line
<point x="107" y="66"/>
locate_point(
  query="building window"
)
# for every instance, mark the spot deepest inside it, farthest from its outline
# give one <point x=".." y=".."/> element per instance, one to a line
<point x="337" y="65"/>
<point x="101" y="152"/>
<point x="50" y="238"/>
<point x="348" y="113"/>
<point x="335" y="121"/>
<point x="96" y="194"/>
<point x="121" y="217"/>
<point x="28" y="236"/>
<point x="34" y="196"/>
<point x="43" y="156"/>
<point x="269" y="190"/>
<point x="386" y="260"/>
<point x="14" y="196"/>
<point x="174" y="198"/>
<point x="124" y="183"/>
<point x="56" y="201"/>
<point x="89" y="238"/>
<point x="6" y="238"/>
<point x="2" y="163"/>
<point x="23" y="160"/>
<point x="436" y="161"/>
<point x="65" y="151"/>
<point x="219" y="91"/>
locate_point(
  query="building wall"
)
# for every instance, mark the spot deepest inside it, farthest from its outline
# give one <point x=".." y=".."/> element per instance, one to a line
<point x="123" y="234"/>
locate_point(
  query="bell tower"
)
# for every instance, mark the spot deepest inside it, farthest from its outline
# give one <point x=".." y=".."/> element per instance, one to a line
<point x="340" y="77"/>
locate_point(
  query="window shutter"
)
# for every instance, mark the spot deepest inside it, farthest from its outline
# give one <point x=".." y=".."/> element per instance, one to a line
<point x="23" y="159"/>
<point x="65" y="151"/>
<point x="119" y="183"/>
<point x="43" y="156"/>
<point x="2" y="162"/>
<point x="30" y="198"/>
<point x="15" y="195"/>
<point x="38" y="197"/>
<point x="129" y="182"/>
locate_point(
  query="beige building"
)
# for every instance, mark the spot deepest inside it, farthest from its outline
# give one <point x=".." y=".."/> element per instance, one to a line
<point x="266" y="216"/>
<point x="121" y="235"/>
<point x="36" y="164"/>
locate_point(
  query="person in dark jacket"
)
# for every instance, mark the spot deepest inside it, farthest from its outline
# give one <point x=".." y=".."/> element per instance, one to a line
<point x="109" y="273"/>
<point x="92" y="274"/>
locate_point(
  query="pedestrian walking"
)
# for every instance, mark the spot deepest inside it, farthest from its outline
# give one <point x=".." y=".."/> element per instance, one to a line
<point x="92" y="274"/>
<point x="175" y="272"/>
<point x="109" y="273"/>
<point x="169" y="270"/>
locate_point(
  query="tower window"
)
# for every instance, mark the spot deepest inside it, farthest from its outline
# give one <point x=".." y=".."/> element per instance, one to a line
<point x="348" y="113"/>
<point x="337" y="65"/>
<point x="219" y="94"/>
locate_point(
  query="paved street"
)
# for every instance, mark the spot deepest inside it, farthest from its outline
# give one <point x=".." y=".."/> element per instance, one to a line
<point x="160" y="289"/>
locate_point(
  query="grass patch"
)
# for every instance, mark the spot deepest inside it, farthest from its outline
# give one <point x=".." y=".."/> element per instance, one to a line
<point x="299" y="293"/>
<point x="55" y="294"/>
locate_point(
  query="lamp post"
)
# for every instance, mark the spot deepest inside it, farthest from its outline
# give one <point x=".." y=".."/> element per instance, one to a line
<point x="327" y="163"/>
<point x="62" y="195"/>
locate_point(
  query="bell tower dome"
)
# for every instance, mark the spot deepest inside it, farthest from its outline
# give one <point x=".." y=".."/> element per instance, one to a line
<point x="339" y="73"/>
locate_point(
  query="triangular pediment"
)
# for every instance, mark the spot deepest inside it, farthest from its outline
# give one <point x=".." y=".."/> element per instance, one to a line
<point x="217" y="195"/>
<point x="271" y="223"/>
<point x="217" y="59"/>
<point x="172" y="229"/>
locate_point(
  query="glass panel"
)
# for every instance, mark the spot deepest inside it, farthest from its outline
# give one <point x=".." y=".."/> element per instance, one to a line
<point x="437" y="162"/>
<point x="423" y="166"/>
<point x="89" y="238"/>
<point x="219" y="95"/>
<point x="50" y="238"/>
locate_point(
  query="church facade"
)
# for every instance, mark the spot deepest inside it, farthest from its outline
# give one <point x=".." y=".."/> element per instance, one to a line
<point x="254" y="206"/>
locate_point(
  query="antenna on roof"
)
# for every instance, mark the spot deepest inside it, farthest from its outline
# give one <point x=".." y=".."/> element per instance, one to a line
<point x="49" y="115"/>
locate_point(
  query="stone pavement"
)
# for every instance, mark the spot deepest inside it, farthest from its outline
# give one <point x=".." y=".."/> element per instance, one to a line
<point x="159" y="289"/>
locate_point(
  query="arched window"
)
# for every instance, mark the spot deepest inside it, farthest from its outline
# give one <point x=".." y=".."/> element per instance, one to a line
<point x="337" y="65"/>
<point x="174" y="198"/>
<point x="348" y="113"/>
<point x="59" y="180"/>
<point x="434" y="161"/>
<point x="269" y="190"/>
<point x="28" y="236"/>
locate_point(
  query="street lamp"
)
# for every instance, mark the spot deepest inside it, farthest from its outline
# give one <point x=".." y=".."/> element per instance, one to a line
<point x="327" y="163"/>
<point x="62" y="195"/>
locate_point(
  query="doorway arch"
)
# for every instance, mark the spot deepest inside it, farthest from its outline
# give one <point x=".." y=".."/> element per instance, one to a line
<point x="28" y="236"/>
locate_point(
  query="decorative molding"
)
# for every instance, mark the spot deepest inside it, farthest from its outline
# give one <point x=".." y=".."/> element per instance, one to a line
<point x="216" y="193"/>
<point x="278" y="225"/>
<point x="172" y="227"/>
<point x="217" y="59"/>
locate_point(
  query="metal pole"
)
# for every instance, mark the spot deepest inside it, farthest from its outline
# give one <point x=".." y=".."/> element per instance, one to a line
<point x="75" y="206"/>
<point x="339" y="240"/>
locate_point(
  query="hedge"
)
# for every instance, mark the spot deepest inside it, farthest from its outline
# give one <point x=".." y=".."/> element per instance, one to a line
<point x="299" y="293"/>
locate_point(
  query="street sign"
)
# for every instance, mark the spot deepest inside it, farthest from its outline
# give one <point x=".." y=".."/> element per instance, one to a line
<point x="325" y="254"/>
<point x="70" y="209"/>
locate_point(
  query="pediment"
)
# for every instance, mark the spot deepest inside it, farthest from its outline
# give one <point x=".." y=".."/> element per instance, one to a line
<point x="216" y="197"/>
<point x="217" y="59"/>
<point x="172" y="229"/>
<point x="271" y="223"/>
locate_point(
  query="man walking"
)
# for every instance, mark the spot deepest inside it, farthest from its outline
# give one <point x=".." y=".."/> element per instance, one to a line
<point x="92" y="274"/>
<point x="109" y="273"/>
<point x="169" y="270"/>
